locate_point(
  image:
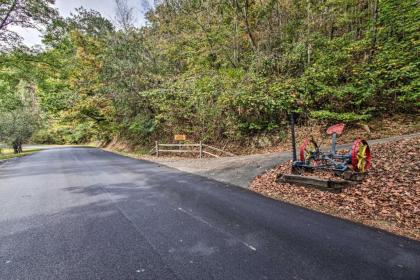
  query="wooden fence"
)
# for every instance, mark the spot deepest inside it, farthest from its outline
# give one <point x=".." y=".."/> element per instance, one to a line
<point x="200" y="149"/>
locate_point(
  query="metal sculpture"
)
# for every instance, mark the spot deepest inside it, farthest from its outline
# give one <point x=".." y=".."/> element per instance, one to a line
<point x="356" y="160"/>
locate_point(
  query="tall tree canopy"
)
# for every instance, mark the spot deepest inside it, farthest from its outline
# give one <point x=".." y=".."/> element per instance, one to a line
<point x="23" y="13"/>
<point x="19" y="70"/>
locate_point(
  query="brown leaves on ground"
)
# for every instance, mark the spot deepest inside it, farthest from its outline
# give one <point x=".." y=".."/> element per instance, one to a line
<point x="388" y="198"/>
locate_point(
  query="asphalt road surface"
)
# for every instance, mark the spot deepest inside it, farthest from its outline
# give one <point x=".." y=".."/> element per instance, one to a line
<point x="79" y="213"/>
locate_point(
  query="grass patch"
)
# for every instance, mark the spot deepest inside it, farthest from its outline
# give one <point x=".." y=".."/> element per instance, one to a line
<point x="8" y="153"/>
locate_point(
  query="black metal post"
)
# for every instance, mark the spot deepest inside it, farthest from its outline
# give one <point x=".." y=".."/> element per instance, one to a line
<point x="292" y="126"/>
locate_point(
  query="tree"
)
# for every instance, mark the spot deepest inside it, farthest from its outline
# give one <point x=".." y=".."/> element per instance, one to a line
<point x="16" y="127"/>
<point x="18" y="123"/>
<point x="23" y="13"/>
<point x="125" y="15"/>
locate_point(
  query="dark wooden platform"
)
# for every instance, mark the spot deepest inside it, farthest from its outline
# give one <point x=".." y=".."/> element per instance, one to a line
<point x="315" y="182"/>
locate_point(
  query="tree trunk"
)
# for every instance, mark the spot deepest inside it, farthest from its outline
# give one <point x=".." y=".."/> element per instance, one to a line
<point x="245" y="14"/>
<point x="17" y="146"/>
<point x="308" y="40"/>
<point x="4" y="22"/>
<point x="375" y="13"/>
<point x="248" y="27"/>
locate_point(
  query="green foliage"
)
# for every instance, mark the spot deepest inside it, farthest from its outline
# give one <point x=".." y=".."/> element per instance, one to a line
<point x="220" y="70"/>
<point x="341" y="117"/>
<point x="19" y="117"/>
<point x="47" y="136"/>
<point x="142" y="126"/>
<point x="16" y="127"/>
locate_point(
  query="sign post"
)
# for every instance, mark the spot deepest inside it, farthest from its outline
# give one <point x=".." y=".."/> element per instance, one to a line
<point x="292" y="126"/>
<point x="201" y="149"/>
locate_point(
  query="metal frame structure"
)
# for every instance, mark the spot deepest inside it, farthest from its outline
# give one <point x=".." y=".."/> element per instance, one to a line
<point x="358" y="159"/>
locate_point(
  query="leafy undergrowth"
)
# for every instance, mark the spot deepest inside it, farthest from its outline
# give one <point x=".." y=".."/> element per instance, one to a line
<point x="271" y="143"/>
<point x="388" y="198"/>
<point x="375" y="129"/>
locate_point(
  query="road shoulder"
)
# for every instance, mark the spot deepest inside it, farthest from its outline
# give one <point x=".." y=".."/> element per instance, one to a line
<point x="238" y="170"/>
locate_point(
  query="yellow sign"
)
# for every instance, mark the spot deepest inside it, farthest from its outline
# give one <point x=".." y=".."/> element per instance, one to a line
<point x="180" y="137"/>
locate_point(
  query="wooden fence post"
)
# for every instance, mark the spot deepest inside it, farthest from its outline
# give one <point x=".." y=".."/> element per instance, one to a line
<point x="201" y="149"/>
<point x="157" y="149"/>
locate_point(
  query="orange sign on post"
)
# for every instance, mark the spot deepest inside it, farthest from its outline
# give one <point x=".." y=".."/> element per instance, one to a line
<point x="180" y="137"/>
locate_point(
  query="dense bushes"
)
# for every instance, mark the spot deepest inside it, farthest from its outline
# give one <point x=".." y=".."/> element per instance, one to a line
<point x="355" y="64"/>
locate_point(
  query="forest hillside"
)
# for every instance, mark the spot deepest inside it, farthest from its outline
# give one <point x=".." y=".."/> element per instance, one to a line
<point x="217" y="71"/>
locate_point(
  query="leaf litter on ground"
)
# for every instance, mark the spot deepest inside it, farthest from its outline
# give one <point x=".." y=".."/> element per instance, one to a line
<point x="388" y="198"/>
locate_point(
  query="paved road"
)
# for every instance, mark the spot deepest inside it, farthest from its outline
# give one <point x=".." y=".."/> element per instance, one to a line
<point x="79" y="213"/>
